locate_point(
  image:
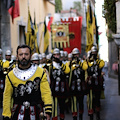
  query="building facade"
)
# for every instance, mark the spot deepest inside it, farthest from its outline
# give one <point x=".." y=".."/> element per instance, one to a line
<point x="69" y="12"/>
<point x="12" y="34"/>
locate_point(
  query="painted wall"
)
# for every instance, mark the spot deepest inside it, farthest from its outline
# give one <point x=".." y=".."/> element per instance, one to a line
<point x="41" y="8"/>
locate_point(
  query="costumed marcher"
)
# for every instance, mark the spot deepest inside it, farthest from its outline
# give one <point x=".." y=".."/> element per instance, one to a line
<point x="8" y="65"/>
<point x="47" y="66"/>
<point x="94" y="82"/>
<point x="48" y="59"/>
<point x="8" y="54"/>
<point x="2" y="78"/>
<point x="59" y="85"/>
<point x="12" y="63"/>
<point x="25" y="87"/>
<point x="13" y="58"/>
<point x="35" y="58"/>
<point x="77" y="84"/>
<point x="61" y="55"/>
<point x="48" y="62"/>
<point x="64" y="59"/>
<point x="70" y="57"/>
<point x="65" y="56"/>
<point x="43" y="59"/>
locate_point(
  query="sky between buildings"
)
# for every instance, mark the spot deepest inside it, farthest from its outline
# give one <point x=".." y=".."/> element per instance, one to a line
<point x="103" y="43"/>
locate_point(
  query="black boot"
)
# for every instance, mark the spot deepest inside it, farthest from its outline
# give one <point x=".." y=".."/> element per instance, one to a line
<point x="97" y="115"/>
<point x="61" y="118"/>
<point x="80" y="116"/>
<point x="75" y="118"/>
<point x="0" y="104"/>
<point x="91" y="116"/>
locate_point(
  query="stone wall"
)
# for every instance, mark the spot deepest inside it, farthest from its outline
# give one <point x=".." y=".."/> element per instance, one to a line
<point x="113" y="57"/>
<point x="118" y="16"/>
<point x="5" y="29"/>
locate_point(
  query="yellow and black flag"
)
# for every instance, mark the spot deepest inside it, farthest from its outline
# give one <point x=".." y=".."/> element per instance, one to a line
<point x="97" y="34"/>
<point x="36" y="47"/>
<point x="31" y="35"/>
<point x="90" y="28"/>
<point x="29" y="31"/>
<point x="46" y="37"/>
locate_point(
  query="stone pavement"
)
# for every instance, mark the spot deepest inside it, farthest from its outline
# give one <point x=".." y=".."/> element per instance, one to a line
<point x="110" y="106"/>
<point x="111" y="103"/>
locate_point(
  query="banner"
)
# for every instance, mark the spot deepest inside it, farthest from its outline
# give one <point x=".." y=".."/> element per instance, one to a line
<point x="31" y="35"/>
<point x="14" y="10"/>
<point x="49" y="23"/>
<point x="75" y="25"/>
<point x="90" y="28"/>
<point x="60" y="35"/>
<point x="29" y="30"/>
<point x="46" y="37"/>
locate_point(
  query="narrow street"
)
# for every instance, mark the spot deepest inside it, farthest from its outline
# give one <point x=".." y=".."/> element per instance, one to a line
<point x="109" y="106"/>
<point x="44" y="25"/>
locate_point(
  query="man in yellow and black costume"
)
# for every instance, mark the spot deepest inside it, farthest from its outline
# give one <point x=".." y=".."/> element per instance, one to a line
<point x="25" y="87"/>
<point x="94" y="82"/>
<point x="59" y="84"/>
<point x="2" y="78"/>
<point x="77" y="84"/>
<point x="9" y="63"/>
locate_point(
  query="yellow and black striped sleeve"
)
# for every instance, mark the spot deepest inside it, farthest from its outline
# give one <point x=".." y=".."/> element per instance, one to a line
<point x="65" y="68"/>
<point x="100" y="63"/>
<point x="7" y="101"/>
<point x="84" y="65"/>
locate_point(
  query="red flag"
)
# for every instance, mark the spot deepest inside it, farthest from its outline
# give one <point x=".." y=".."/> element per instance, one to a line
<point x="14" y="10"/>
<point x="75" y="27"/>
<point x="49" y="23"/>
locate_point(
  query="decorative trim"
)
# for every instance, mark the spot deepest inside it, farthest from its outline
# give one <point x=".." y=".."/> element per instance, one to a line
<point x="25" y="74"/>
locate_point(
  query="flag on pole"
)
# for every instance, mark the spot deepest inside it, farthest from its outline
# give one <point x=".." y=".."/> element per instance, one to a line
<point x="49" y="24"/>
<point x="60" y="35"/>
<point x="31" y="35"/>
<point x="97" y="34"/>
<point x="46" y="37"/>
<point x="90" y="28"/>
<point x="14" y="10"/>
<point x="29" y="31"/>
<point x="49" y="30"/>
<point x="36" y="48"/>
<point x="74" y="33"/>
